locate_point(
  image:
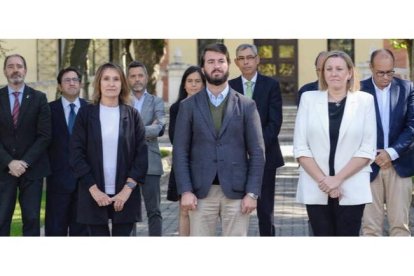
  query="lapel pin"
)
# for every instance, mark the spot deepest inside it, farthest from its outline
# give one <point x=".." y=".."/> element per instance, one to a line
<point x="28" y="96"/>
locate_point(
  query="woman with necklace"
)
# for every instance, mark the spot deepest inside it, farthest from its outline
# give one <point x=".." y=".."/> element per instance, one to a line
<point x="334" y="143"/>
<point x="109" y="156"/>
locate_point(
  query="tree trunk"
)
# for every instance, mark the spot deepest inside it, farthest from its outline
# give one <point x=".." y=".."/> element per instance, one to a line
<point x="149" y="52"/>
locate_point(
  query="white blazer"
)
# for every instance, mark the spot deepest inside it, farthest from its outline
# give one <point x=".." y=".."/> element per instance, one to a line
<point x="357" y="138"/>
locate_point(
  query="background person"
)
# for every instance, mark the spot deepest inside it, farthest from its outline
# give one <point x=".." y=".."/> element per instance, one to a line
<point x="192" y="82"/>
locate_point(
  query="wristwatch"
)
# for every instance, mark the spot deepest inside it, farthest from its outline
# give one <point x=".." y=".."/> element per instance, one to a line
<point x="131" y="185"/>
<point x="252" y="195"/>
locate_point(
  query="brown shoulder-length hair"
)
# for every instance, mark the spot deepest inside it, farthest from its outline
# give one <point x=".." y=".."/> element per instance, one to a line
<point x="353" y="83"/>
<point x="124" y="96"/>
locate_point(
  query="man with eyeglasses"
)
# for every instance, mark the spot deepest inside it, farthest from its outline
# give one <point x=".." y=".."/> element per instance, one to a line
<point x="25" y="134"/>
<point x="394" y="165"/>
<point x="61" y="188"/>
<point x="265" y="92"/>
<point x="320" y="58"/>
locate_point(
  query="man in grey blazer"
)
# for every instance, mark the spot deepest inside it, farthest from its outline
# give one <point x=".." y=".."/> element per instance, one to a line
<point x="151" y="109"/>
<point x="218" y="157"/>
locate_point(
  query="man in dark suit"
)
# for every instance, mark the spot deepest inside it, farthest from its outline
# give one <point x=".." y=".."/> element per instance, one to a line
<point x="394" y="165"/>
<point x="265" y="92"/>
<point x="61" y="189"/>
<point x="315" y="84"/>
<point x="24" y="137"/>
<point x="219" y="157"/>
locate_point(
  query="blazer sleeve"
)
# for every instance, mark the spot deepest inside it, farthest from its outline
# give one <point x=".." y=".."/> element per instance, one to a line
<point x="300" y="141"/>
<point x="406" y="137"/>
<point x="153" y="130"/>
<point x="368" y="145"/>
<point x="182" y="148"/>
<point x="78" y="159"/>
<point x="274" y="123"/>
<point x="139" y="167"/>
<point x="43" y="135"/>
<point x="255" y="149"/>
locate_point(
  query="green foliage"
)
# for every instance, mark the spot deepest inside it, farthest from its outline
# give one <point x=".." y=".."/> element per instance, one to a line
<point x="165" y="152"/>
<point x="16" y="225"/>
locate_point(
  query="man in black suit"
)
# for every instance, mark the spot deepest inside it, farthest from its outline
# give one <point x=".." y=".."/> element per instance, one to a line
<point x="315" y="84"/>
<point x="61" y="189"/>
<point x="24" y="137"/>
<point x="265" y="92"/>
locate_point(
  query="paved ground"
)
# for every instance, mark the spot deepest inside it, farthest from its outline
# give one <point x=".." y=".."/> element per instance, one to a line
<point x="290" y="217"/>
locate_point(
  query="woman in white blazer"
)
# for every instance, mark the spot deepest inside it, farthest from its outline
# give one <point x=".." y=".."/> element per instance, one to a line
<point x="334" y="143"/>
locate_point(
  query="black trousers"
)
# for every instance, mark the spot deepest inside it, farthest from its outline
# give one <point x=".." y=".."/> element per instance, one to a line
<point x="334" y="219"/>
<point x="30" y="196"/>
<point x="266" y="204"/>
<point x="103" y="230"/>
<point x="60" y="217"/>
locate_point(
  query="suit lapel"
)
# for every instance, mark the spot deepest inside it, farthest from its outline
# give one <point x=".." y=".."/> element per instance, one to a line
<point x="258" y="86"/>
<point x="61" y="116"/>
<point x="145" y="106"/>
<point x="349" y="114"/>
<point x="204" y="108"/>
<point x="25" y="105"/>
<point x="5" y="105"/>
<point x="394" y="95"/>
<point x="229" y="111"/>
<point x="371" y="90"/>
<point x="322" y="112"/>
<point x="238" y="85"/>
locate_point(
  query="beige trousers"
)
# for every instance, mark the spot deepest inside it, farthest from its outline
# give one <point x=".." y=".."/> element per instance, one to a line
<point x="395" y="192"/>
<point x="203" y="220"/>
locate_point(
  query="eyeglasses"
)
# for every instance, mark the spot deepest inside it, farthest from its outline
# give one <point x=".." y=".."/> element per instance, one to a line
<point x="383" y="73"/>
<point x="68" y="80"/>
<point x="248" y="58"/>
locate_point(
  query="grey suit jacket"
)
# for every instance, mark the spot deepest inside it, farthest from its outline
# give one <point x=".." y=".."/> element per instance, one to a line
<point x="235" y="154"/>
<point x="153" y="116"/>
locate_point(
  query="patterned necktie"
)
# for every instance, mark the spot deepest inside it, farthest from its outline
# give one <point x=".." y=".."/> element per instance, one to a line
<point x="249" y="90"/>
<point x="72" y="116"/>
<point x="16" y="108"/>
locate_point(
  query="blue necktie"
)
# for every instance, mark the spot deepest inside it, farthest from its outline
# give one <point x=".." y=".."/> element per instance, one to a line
<point x="72" y="116"/>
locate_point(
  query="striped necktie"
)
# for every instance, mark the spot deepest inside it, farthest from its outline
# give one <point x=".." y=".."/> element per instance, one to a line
<point x="16" y="108"/>
<point x="249" y="90"/>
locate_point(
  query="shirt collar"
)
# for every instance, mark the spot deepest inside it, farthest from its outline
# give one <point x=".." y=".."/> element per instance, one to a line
<point x="66" y="103"/>
<point x="221" y="95"/>
<point x="253" y="80"/>
<point x="11" y="90"/>
<point x="386" y="89"/>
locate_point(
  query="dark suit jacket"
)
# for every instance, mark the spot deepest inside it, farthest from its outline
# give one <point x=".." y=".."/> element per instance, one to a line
<point x="61" y="179"/>
<point x="29" y="141"/>
<point x="311" y="86"/>
<point x="401" y="134"/>
<point x="172" y="194"/>
<point x="86" y="161"/>
<point x="235" y="154"/>
<point x="269" y="104"/>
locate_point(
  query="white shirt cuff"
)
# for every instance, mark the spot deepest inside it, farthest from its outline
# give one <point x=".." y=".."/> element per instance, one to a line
<point x="393" y="153"/>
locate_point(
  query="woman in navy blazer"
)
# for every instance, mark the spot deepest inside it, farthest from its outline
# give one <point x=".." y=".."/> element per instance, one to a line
<point x="334" y="143"/>
<point x="109" y="156"/>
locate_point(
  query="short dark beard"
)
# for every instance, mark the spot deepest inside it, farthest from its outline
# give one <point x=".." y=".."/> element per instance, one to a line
<point x="219" y="81"/>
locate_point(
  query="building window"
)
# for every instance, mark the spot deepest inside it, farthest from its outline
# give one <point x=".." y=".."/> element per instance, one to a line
<point x="346" y="45"/>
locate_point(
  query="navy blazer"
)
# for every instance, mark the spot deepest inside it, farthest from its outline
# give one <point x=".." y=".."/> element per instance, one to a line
<point x="401" y="134"/>
<point x="29" y="141"/>
<point x="86" y="161"/>
<point x="311" y="86"/>
<point x="61" y="179"/>
<point x="235" y="153"/>
<point x="268" y="100"/>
